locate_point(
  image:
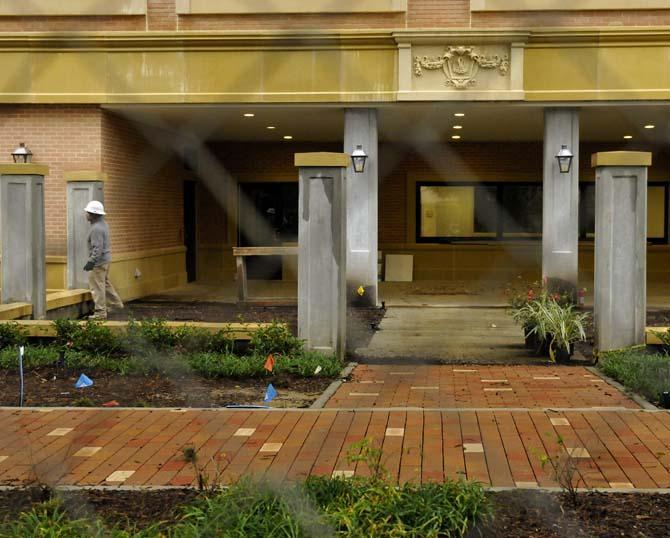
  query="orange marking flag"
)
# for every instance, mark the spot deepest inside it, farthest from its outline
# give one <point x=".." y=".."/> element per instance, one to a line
<point x="269" y="363"/>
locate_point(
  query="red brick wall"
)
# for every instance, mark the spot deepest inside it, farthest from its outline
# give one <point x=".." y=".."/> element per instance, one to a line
<point x="61" y="137"/>
<point x="162" y="15"/>
<point x="66" y="24"/>
<point x="144" y="192"/>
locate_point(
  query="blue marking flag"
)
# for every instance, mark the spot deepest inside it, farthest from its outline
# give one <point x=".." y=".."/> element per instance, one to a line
<point x="270" y="393"/>
<point x="83" y="382"/>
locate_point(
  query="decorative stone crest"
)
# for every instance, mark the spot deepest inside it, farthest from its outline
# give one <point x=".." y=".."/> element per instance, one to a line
<point x="461" y="65"/>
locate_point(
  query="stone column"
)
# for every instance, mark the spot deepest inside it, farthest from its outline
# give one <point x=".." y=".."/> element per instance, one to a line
<point x="620" y="299"/>
<point x="360" y="128"/>
<point x="22" y="228"/>
<point x="82" y="187"/>
<point x="560" y="208"/>
<point x="322" y="251"/>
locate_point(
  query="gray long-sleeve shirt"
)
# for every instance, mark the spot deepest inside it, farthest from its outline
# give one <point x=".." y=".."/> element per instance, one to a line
<point x="99" y="251"/>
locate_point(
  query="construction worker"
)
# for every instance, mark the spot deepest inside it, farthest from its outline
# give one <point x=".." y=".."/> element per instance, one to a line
<point x="99" y="258"/>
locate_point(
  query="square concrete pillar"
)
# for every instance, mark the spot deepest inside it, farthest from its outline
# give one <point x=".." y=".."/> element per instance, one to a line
<point x="620" y="298"/>
<point x="560" y="207"/>
<point x="322" y="251"/>
<point x="82" y="187"/>
<point x="360" y="128"/>
<point x="22" y="228"/>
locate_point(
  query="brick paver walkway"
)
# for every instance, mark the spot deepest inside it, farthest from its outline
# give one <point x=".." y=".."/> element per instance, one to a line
<point x="477" y="387"/>
<point x="617" y="449"/>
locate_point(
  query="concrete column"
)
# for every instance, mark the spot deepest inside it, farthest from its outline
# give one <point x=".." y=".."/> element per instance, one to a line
<point x="322" y="251"/>
<point x="560" y="208"/>
<point x="360" y="128"/>
<point x="620" y="299"/>
<point x="81" y="189"/>
<point x="22" y="228"/>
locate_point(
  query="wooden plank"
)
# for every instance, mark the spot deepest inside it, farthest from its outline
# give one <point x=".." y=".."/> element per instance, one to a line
<point x="652" y="338"/>
<point x="11" y="311"/>
<point x="242" y="290"/>
<point x="238" y="331"/>
<point x="265" y="251"/>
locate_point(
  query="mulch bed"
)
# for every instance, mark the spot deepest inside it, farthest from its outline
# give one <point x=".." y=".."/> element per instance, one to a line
<point x="52" y="386"/>
<point x="517" y="514"/>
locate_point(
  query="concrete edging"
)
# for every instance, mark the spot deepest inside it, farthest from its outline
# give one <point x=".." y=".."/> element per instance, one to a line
<point x="639" y="400"/>
<point x="332" y="388"/>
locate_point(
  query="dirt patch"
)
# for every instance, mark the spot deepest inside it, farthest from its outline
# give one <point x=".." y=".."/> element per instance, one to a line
<point x="528" y="514"/>
<point x="52" y="386"/>
<point x="517" y="514"/>
<point x="361" y="322"/>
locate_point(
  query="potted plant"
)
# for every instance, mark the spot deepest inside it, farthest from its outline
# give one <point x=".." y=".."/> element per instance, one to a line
<point x="563" y="326"/>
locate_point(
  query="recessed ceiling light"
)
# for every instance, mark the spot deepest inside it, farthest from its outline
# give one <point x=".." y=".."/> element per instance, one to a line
<point x="458" y="126"/>
<point x="288" y="137"/>
<point x="650" y="126"/>
<point x="270" y="127"/>
<point x="249" y="115"/>
<point x="456" y="137"/>
<point x="459" y="114"/>
<point x="628" y="137"/>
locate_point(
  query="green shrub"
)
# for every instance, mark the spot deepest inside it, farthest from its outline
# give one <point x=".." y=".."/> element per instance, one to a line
<point x="664" y="337"/>
<point x="91" y="337"/>
<point x="638" y="371"/>
<point x="275" y="338"/>
<point x="12" y="335"/>
<point x="33" y="356"/>
<point x="82" y="360"/>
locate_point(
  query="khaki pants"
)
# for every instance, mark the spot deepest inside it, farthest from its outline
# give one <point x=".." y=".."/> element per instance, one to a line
<point x="102" y="290"/>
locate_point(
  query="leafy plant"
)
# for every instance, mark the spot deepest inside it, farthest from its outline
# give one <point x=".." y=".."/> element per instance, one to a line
<point x="33" y="356"/>
<point x="565" y="472"/>
<point x="12" y="335"/>
<point x="562" y="324"/>
<point x="664" y="337"/>
<point x="206" y="483"/>
<point x="275" y="338"/>
<point x="91" y="337"/>
<point x="641" y="372"/>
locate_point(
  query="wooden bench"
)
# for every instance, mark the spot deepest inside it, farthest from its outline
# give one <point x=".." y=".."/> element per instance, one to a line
<point x="241" y="253"/>
<point x="238" y="331"/>
<point x="651" y="338"/>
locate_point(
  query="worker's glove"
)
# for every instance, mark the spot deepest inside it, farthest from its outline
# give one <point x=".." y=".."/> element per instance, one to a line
<point x="89" y="266"/>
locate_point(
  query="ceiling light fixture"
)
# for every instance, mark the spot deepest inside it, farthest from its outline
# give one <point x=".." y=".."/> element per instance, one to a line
<point x="456" y="137"/>
<point x="288" y="137"/>
<point x="628" y="137"/>
<point x="649" y="126"/>
<point x="459" y="114"/>
<point x="249" y="115"/>
<point x="271" y="127"/>
<point x="458" y="127"/>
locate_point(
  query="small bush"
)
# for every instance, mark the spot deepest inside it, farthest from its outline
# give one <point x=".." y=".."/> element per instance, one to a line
<point x="12" y="335"/>
<point x="664" y="337"/>
<point x="92" y="338"/>
<point x="33" y="356"/>
<point x="81" y="360"/>
<point x="275" y="338"/>
<point x="638" y="371"/>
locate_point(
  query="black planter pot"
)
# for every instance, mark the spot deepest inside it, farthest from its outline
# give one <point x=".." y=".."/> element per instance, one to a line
<point x="530" y="338"/>
<point x="542" y="346"/>
<point x="664" y="400"/>
<point x="562" y="355"/>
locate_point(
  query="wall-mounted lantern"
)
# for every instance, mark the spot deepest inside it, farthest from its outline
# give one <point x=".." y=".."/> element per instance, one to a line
<point x="358" y="158"/>
<point x="564" y="158"/>
<point x="22" y="154"/>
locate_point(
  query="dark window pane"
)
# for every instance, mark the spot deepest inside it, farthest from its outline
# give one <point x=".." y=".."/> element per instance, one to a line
<point x="587" y="210"/>
<point x="522" y="210"/>
<point x="454" y="211"/>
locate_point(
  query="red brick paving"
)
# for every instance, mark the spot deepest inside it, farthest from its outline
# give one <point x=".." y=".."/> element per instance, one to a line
<point x="496" y="447"/>
<point x="446" y="387"/>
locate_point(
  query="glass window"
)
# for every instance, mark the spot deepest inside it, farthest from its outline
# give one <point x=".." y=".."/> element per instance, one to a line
<point x="457" y="211"/>
<point x="522" y="211"/>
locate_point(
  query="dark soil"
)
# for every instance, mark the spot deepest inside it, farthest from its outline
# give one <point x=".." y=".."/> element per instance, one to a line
<point x="517" y="514"/>
<point x="529" y="514"/>
<point x="361" y="322"/>
<point x="51" y="386"/>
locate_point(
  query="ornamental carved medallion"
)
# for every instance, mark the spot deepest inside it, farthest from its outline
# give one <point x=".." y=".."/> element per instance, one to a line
<point x="461" y="65"/>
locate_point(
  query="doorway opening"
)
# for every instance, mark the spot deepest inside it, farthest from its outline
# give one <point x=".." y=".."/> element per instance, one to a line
<point x="190" y="226"/>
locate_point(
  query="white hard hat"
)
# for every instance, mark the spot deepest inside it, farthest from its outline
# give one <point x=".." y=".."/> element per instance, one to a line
<point x="95" y="207"/>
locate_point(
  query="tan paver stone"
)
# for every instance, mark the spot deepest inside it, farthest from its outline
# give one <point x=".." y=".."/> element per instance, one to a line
<point x="58" y="432"/>
<point x="271" y="447"/>
<point x="363" y="394"/>
<point x="578" y="452"/>
<point x="395" y="432"/>
<point x="560" y="422"/>
<point x="621" y="485"/>
<point x="463" y="371"/>
<point x="499" y="389"/>
<point x="597" y="380"/>
<point x="3" y="458"/>
<point x="526" y="485"/>
<point x="45" y="410"/>
<point x="342" y="474"/>
<point x="546" y="377"/>
<point x="494" y="381"/>
<point x="432" y="387"/>
<point x="87" y="451"/>
<point x="244" y="432"/>
<point x="401" y="373"/>
<point x="473" y="448"/>
<point x="371" y="381"/>
<point x="178" y="410"/>
<point x="119" y="476"/>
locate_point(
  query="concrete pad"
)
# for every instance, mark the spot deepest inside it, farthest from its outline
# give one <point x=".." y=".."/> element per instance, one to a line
<point x="244" y="432"/>
<point x="395" y="432"/>
<point x="87" y="451"/>
<point x="119" y="476"/>
<point x="473" y="448"/>
<point x="271" y="447"/>
<point x="578" y="452"/>
<point x="560" y="422"/>
<point x="59" y="432"/>
<point x="342" y="474"/>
